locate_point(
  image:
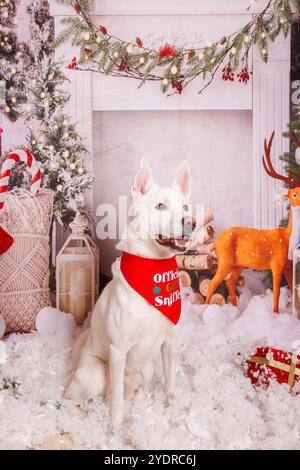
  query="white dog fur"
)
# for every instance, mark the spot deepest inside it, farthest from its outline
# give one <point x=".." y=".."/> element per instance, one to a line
<point x="115" y="354"/>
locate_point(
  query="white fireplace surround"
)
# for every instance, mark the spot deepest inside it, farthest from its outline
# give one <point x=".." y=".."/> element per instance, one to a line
<point x="266" y="95"/>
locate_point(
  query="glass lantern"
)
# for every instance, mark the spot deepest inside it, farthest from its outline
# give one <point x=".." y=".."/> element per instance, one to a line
<point x="77" y="273"/>
<point x="296" y="282"/>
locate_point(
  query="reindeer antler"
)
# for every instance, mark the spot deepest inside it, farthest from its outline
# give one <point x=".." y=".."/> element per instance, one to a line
<point x="295" y="138"/>
<point x="266" y="159"/>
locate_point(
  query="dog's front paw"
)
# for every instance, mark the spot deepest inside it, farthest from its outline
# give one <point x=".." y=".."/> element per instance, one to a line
<point x="170" y="397"/>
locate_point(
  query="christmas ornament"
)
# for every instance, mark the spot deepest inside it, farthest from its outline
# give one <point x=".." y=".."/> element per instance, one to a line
<point x="77" y="273"/>
<point x="241" y="247"/>
<point x="273" y="364"/>
<point x="156" y="280"/>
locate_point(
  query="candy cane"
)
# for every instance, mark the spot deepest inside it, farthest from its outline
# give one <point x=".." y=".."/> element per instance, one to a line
<point x="9" y="162"/>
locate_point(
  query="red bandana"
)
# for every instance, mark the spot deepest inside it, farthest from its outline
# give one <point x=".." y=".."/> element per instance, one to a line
<point x="156" y="280"/>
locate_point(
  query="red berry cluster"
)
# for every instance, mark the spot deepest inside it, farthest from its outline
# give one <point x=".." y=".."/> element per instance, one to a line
<point x="73" y="64"/>
<point x="178" y="87"/>
<point x="123" y="66"/>
<point x="228" y="73"/>
<point x="138" y="42"/>
<point x="244" y="75"/>
<point x="102" y="29"/>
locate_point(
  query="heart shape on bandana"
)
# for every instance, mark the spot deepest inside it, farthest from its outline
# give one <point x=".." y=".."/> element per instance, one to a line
<point x="156" y="290"/>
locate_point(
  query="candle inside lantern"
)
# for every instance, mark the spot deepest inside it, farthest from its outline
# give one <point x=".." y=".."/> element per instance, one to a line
<point x="77" y="273"/>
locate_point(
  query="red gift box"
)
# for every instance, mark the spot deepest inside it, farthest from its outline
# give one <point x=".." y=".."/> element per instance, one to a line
<point x="273" y="364"/>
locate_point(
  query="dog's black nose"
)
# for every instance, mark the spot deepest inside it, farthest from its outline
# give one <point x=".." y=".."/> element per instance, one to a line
<point x="189" y="224"/>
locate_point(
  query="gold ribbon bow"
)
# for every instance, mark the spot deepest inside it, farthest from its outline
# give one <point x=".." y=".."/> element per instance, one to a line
<point x="290" y="368"/>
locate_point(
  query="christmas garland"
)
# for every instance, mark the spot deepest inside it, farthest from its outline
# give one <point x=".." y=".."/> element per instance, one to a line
<point x="172" y="67"/>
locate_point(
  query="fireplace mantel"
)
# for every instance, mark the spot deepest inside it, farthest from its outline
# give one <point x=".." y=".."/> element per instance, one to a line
<point x="267" y="95"/>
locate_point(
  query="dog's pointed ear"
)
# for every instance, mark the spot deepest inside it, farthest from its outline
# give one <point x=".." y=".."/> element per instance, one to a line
<point x="143" y="179"/>
<point x="182" y="178"/>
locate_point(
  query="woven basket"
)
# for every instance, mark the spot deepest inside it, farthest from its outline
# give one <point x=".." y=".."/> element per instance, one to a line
<point x="24" y="268"/>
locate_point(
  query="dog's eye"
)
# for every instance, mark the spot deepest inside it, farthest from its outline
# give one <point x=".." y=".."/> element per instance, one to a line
<point x="161" y="206"/>
<point x="185" y="207"/>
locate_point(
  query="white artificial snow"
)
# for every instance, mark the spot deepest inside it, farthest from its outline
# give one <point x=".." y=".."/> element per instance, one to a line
<point x="216" y="406"/>
<point x="2" y="352"/>
<point x="2" y="326"/>
<point x="56" y="327"/>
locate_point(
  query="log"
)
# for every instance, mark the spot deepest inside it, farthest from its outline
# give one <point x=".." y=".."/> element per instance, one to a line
<point x="203" y="284"/>
<point x="209" y="233"/>
<point x="190" y="279"/>
<point x="200" y="237"/>
<point x="194" y="262"/>
<point x="208" y="217"/>
<point x="185" y="279"/>
<point x="218" y="299"/>
<point x="198" y="299"/>
<point x="205" y="218"/>
<point x="207" y="250"/>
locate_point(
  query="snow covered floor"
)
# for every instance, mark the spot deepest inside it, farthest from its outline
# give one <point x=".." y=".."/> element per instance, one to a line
<point x="216" y="406"/>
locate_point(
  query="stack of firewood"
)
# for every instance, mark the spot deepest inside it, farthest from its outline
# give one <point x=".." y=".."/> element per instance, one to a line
<point x="198" y="266"/>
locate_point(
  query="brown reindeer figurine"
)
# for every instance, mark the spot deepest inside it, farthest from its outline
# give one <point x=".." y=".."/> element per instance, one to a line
<point x="240" y="247"/>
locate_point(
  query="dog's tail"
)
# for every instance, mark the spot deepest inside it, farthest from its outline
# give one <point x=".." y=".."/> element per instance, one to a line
<point x="78" y="346"/>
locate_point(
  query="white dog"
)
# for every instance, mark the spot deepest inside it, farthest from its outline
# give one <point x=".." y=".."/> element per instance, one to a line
<point x="115" y="354"/>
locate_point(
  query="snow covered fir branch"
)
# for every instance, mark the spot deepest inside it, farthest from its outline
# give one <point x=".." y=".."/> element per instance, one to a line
<point x="55" y="143"/>
<point x="14" y="55"/>
<point x="174" y="68"/>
